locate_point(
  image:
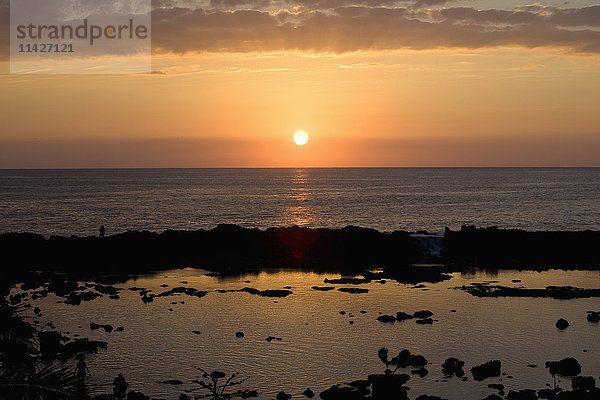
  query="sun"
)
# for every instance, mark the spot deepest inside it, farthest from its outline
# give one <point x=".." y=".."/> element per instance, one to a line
<point x="300" y="138"/>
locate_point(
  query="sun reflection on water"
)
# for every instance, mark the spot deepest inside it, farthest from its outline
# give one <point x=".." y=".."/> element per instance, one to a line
<point x="299" y="212"/>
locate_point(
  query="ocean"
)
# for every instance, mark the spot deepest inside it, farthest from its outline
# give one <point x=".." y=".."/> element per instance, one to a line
<point x="77" y="202"/>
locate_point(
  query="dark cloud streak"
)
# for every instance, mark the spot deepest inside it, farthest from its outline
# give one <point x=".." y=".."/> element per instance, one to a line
<point x="348" y="29"/>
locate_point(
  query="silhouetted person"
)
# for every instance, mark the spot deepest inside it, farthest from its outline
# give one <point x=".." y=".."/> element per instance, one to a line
<point x="81" y="369"/>
<point x="119" y="386"/>
<point x="102" y="230"/>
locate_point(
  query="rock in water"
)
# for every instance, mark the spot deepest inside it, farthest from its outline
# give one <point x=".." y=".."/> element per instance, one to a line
<point x="593" y="316"/>
<point x="309" y="393"/>
<point x="566" y="367"/>
<point x="583" y="382"/>
<point x="487" y="370"/>
<point x="283" y="396"/>
<point x="562" y="324"/>
<point x="453" y="366"/>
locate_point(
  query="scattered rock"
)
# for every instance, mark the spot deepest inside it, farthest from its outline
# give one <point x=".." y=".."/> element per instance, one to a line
<point x="271" y="338"/>
<point x="283" y="396"/>
<point x="566" y="367"/>
<point x="308" y="393"/>
<point x="353" y="290"/>
<point x="421" y="372"/>
<point x="562" y="324"/>
<point x="401" y="316"/>
<point x="427" y="321"/>
<point x="346" y="281"/>
<point x="583" y="382"/>
<point x="487" y="370"/>
<point x="323" y="288"/>
<point x="427" y="397"/>
<point x="453" y="366"/>
<point x="423" y="314"/>
<point x="196" y="332"/>
<point x="390" y="319"/>
<point x="171" y="382"/>
<point x="268" y="292"/>
<point x="239" y="334"/>
<point x="593" y="316"/>
<point x="555" y="292"/>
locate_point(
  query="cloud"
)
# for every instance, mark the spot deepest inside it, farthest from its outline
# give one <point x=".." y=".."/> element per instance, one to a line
<point x="357" y="28"/>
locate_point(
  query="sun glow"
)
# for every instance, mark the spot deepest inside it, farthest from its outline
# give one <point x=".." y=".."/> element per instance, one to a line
<point x="300" y="138"/>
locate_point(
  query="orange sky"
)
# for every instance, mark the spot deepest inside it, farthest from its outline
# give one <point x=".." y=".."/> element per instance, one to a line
<point x="407" y="95"/>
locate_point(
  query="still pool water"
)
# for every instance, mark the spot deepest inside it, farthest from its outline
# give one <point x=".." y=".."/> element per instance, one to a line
<point x="320" y="347"/>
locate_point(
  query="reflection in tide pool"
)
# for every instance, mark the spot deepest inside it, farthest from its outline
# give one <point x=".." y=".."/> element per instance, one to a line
<point x="320" y="347"/>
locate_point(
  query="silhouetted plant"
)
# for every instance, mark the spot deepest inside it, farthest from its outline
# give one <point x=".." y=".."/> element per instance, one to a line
<point x="22" y="376"/>
<point x="216" y="383"/>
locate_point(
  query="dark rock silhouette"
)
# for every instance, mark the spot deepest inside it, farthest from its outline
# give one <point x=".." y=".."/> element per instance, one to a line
<point x="487" y="370"/>
<point x="308" y="393"/>
<point x="422" y="314"/>
<point x="389" y="386"/>
<point x="401" y="316"/>
<point x="593" y="316"/>
<point x="555" y="292"/>
<point x="422" y="372"/>
<point x="183" y="290"/>
<point x="171" y="382"/>
<point x="453" y="366"/>
<point x="133" y="395"/>
<point x="562" y="324"/>
<point x="513" y="248"/>
<point x="107" y="327"/>
<point x="425" y="321"/>
<point x="566" y="367"/>
<point x="353" y="290"/>
<point x="239" y="334"/>
<point x="386" y="318"/>
<point x="583" y="382"/>
<point x="526" y="394"/>
<point x="346" y="281"/>
<point x="323" y="288"/>
<point x="283" y="396"/>
<point x="339" y="392"/>
<point x="271" y="338"/>
<point x="427" y="397"/>
<point x="268" y="292"/>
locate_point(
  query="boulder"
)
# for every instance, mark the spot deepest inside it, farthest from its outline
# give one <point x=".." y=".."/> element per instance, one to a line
<point x="583" y="382"/>
<point x="283" y="396"/>
<point x="428" y="397"/>
<point x="562" y="324"/>
<point x="353" y="290"/>
<point x="239" y="334"/>
<point x="401" y="316"/>
<point x="424" y="321"/>
<point x="422" y="372"/>
<point x="487" y="370"/>
<point x="423" y="314"/>
<point x="390" y="319"/>
<point x="566" y="367"/>
<point x="453" y="366"/>
<point x="50" y="343"/>
<point x="308" y="393"/>
<point x="593" y="316"/>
